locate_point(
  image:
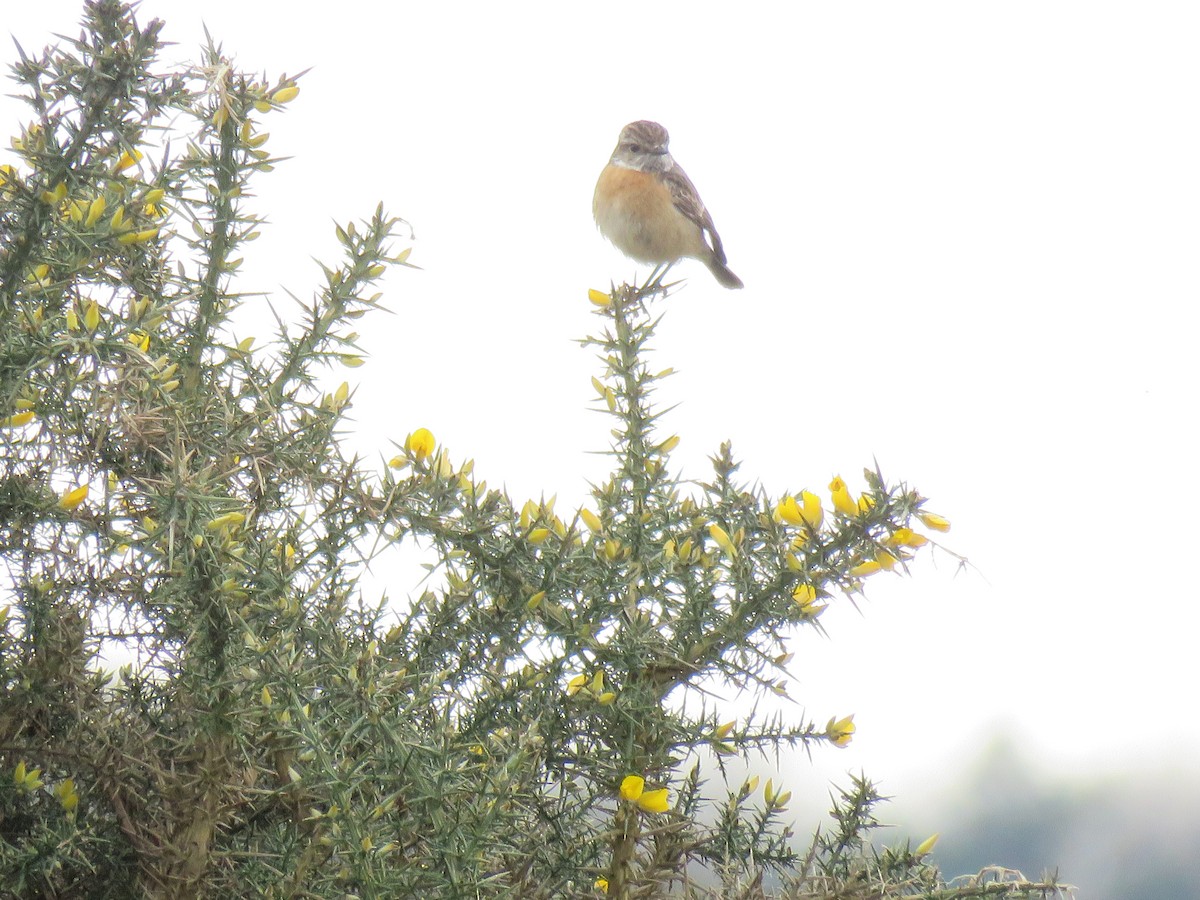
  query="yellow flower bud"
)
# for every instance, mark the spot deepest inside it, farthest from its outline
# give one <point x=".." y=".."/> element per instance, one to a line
<point x="591" y="520"/>
<point x="926" y="845"/>
<point x="16" y="420"/>
<point x="721" y="536"/>
<point x="72" y="498"/>
<point x="863" y="569"/>
<point x="138" y="237"/>
<point x="886" y="560"/>
<point x="127" y="160"/>
<point x="227" y="521"/>
<point x="933" y="520"/>
<point x="95" y="211"/>
<point x="91" y="316"/>
<point x="842" y="501"/>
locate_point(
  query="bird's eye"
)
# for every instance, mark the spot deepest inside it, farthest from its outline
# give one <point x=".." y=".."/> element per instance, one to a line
<point x="635" y="148"/>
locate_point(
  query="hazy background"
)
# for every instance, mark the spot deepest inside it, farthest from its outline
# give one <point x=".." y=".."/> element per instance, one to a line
<point x="968" y="233"/>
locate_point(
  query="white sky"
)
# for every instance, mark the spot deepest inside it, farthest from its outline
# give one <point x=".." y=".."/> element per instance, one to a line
<point x="969" y="237"/>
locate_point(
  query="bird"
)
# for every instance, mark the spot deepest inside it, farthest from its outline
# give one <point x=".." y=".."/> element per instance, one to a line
<point x="647" y="206"/>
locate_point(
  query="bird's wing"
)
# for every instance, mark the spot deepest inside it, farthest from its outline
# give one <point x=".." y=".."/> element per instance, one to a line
<point x="687" y="200"/>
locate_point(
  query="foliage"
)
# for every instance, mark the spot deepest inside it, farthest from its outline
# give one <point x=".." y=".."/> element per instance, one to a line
<point x="196" y="697"/>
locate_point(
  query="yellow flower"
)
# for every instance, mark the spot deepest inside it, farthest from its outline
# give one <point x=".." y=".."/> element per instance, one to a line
<point x="127" y="160"/>
<point x="73" y="497"/>
<point x="227" y="521"/>
<point x="140" y="338"/>
<point x="863" y="569"/>
<point x="633" y="790"/>
<point x="285" y="94"/>
<point x="906" y="537"/>
<point x="632" y="787"/>
<point x="811" y="510"/>
<point x="16" y="420"/>
<point x="95" y="211"/>
<point x="420" y="443"/>
<point x="576" y="684"/>
<point x="65" y="792"/>
<point x="805" y="596"/>
<point x="27" y="780"/>
<point x="591" y="520"/>
<point x="138" y="237"/>
<point x="91" y="316"/>
<point x="599" y="298"/>
<point x="722" y="731"/>
<point x="749" y="786"/>
<point x="601" y="885"/>
<point x="654" y="801"/>
<point x="39" y="276"/>
<point x="842" y="501"/>
<point x="840" y="731"/>
<point x="788" y="511"/>
<point x="926" y="845"/>
<point x="721" y="536"/>
<point x="886" y="560"/>
<point x="55" y="195"/>
<point x="933" y="520"/>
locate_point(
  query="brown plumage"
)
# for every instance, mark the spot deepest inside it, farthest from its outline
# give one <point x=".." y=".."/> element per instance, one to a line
<point x="647" y="206"/>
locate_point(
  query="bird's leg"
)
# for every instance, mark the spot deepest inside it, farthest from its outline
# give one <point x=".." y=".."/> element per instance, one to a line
<point x="654" y="282"/>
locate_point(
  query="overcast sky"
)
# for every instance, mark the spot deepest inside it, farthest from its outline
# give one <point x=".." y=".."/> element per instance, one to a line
<point x="968" y="233"/>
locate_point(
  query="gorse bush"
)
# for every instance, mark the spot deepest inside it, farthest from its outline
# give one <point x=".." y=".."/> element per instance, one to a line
<point x="198" y="700"/>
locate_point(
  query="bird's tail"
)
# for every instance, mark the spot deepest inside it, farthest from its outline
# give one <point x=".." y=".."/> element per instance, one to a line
<point x="722" y="273"/>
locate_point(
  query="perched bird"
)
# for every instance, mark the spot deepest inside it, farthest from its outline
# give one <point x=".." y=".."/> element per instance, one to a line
<point x="648" y="207"/>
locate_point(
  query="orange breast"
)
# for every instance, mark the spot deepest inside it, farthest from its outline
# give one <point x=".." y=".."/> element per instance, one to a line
<point x="635" y="211"/>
